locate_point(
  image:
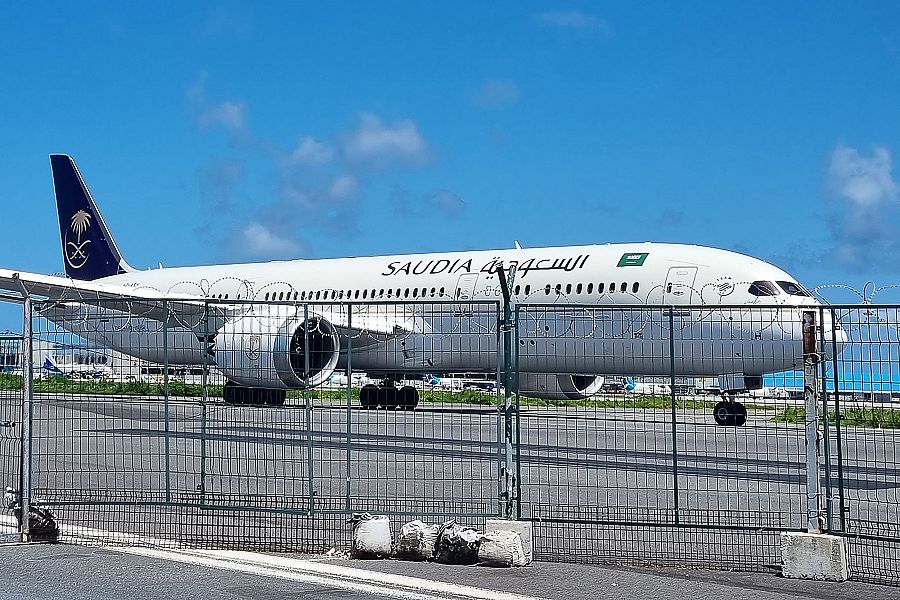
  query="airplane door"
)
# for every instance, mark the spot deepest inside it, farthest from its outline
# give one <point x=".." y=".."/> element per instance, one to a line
<point x="465" y="292"/>
<point x="680" y="286"/>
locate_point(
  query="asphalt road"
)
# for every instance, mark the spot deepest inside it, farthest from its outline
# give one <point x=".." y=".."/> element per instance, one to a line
<point x="236" y="470"/>
<point x="62" y="572"/>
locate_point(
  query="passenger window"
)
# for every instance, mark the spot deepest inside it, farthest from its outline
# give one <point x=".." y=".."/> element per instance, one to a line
<point x="668" y="288"/>
<point x="568" y="288"/>
<point x="600" y="288"/>
<point x="527" y="289"/>
<point x="634" y="287"/>
<point x="578" y="289"/>
<point x="415" y="292"/>
<point x="612" y="288"/>
<point x="558" y="288"/>
<point x="267" y="296"/>
<point x="432" y="292"/>
<point x="623" y="287"/>
<point x="547" y="289"/>
<point x="442" y="291"/>
<point x="590" y="288"/>
<point x="516" y="291"/>
<point x="381" y="293"/>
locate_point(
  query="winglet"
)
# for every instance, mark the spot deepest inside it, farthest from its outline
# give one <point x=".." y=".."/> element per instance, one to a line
<point x="89" y="250"/>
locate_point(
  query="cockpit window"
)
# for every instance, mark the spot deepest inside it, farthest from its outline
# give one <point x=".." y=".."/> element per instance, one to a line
<point x="792" y="288"/>
<point x="763" y="288"/>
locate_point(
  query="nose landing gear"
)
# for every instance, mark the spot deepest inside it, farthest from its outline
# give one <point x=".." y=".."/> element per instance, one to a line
<point x="729" y="412"/>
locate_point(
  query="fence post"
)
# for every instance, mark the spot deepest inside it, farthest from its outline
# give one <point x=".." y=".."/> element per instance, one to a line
<point x="842" y="511"/>
<point x="307" y="401"/>
<point x="167" y="423"/>
<point x="815" y="521"/>
<point x="826" y="433"/>
<point x="204" y="397"/>
<point x="675" y="489"/>
<point x="518" y="417"/>
<point x="509" y="467"/>
<point x="349" y="451"/>
<point x="27" y="413"/>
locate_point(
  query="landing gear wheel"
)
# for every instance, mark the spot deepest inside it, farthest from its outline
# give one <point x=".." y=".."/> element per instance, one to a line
<point x="273" y="397"/>
<point x="368" y="396"/>
<point x="387" y="397"/>
<point x="407" y="398"/>
<point x="740" y="414"/>
<point x="724" y="413"/>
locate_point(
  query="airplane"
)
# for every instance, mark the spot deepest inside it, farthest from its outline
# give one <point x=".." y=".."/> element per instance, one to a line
<point x="645" y="389"/>
<point x="73" y="370"/>
<point x="584" y="312"/>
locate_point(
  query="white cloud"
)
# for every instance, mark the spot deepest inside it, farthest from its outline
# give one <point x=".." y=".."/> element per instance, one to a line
<point x="311" y="151"/>
<point x="343" y="187"/>
<point x="495" y="92"/>
<point x="260" y="240"/>
<point x="573" y="19"/>
<point x="229" y="114"/>
<point x="378" y="143"/>
<point x="864" y="181"/>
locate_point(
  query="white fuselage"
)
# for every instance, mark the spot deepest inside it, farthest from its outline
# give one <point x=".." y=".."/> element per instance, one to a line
<point x="592" y="338"/>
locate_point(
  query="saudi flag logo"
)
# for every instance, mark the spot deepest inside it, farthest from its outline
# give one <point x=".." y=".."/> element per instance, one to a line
<point x="633" y="259"/>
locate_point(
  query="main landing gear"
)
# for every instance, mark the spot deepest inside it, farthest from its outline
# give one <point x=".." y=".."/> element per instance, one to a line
<point x="238" y="394"/>
<point x="729" y="411"/>
<point x="388" y="396"/>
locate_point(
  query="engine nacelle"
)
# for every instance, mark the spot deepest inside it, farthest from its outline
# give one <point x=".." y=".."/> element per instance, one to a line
<point x="271" y="351"/>
<point x="549" y="386"/>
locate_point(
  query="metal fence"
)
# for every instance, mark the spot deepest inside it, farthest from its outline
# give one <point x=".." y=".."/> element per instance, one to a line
<point x="146" y="448"/>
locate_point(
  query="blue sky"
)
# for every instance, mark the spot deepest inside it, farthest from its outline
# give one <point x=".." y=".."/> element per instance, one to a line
<point x="234" y="132"/>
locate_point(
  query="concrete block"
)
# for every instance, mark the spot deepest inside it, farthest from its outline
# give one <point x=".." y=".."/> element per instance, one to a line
<point x="523" y="528"/>
<point x="814" y="556"/>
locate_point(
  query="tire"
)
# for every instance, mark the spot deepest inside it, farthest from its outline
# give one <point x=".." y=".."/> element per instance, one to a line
<point x="273" y="397"/>
<point x="407" y="398"/>
<point x="233" y="394"/>
<point x="388" y="397"/>
<point x="724" y="413"/>
<point x="740" y="414"/>
<point x="368" y="396"/>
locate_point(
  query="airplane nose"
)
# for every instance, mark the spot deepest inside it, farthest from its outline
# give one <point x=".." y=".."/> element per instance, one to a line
<point x="834" y="338"/>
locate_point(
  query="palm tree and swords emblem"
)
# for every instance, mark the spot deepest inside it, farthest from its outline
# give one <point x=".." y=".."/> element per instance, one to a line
<point x="76" y="255"/>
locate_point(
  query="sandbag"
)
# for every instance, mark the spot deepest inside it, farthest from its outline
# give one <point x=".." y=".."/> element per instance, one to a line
<point x="371" y="536"/>
<point x="416" y="541"/>
<point x="457" y="545"/>
<point x="502" y="549"/>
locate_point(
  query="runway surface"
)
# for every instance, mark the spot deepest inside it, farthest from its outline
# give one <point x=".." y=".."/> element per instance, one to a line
<point x="613" y="483"/>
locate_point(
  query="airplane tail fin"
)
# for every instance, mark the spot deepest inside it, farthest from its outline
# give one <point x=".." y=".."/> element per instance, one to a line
<point x="89" y="250"/>
<point x="50" y="366"/>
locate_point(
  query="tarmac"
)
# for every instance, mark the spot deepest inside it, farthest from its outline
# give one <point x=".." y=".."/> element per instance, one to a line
<point x="70" y="572"/>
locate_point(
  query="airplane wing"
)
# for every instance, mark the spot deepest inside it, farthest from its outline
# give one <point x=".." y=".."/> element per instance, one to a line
<point x="189" y="309"/>
<point x="141" y="302"/>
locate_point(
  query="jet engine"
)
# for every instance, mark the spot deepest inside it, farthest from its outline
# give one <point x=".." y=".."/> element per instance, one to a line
<point x="549" y="386"/>
<point x="277" y="351"/>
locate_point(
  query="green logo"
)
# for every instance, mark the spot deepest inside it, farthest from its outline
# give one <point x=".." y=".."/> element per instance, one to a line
<point x="633" y="259"/>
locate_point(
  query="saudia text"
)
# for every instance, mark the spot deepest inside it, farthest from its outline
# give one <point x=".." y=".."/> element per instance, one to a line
<point x="443" y="265"/>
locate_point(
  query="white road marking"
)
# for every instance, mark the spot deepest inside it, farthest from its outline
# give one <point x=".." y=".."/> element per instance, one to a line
<point x="312" y="571"/>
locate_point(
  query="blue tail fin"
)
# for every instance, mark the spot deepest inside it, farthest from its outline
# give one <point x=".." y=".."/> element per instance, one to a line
<point x="89" y="251"/>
